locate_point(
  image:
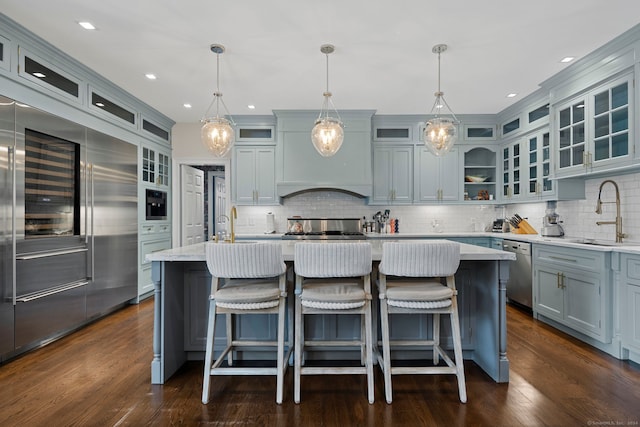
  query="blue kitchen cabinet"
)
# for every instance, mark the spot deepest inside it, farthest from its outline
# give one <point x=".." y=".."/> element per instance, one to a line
<point x="573" y="288"/>
<point x="437" y="179"/>
<point x="253" y="171"/>
<point x="594" y="130"/>
<point x="630" y="303"/>
<point x="480" y="172"/>
<point x="392" y="175"/>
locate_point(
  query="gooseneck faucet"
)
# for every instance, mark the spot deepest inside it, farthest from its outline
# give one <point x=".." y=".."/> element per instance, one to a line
<point x="618" y="222"/>
<point x="233" y="215"/>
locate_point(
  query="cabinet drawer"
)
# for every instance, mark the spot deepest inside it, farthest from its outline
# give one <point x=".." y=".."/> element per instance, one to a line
<point x="585" y="260"/>
<point x="152" y="246"/>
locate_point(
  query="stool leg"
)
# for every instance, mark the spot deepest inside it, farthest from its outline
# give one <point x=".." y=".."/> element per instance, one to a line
<point x="363" y="342"/>
<point x="280" y="361"/>
<point x="386" y="350"/>
<point x="299" y="337"/>
<point x="436" y="338"/>
<point x="230" y="338"/>
<point x="208" y="358"/>
<point x="457" y="349"/>
<point x="368" y="338"/>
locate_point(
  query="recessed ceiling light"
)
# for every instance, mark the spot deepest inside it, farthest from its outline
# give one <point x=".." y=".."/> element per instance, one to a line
<point x="512" y="95"/>
<point x="567" y="59"/>
<point x="251" y="107"/>
<point x="39" y="75"/>
<point x="186" y="105"/>
<point x="150" y="76"/>
<point x="87" y="25"/>
<point x="99" y="104"/>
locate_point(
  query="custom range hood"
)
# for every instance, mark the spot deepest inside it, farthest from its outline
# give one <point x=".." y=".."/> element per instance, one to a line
<point x="300" y="168"/>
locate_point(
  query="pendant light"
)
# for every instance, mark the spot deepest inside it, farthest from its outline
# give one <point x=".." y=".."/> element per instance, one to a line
<point x="217" y="132"/>
<point x="328" y="133"/>
<point x="440" y="133"/>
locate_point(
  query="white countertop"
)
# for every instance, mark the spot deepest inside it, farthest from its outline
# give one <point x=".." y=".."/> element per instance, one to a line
<point x="196" y="252"/>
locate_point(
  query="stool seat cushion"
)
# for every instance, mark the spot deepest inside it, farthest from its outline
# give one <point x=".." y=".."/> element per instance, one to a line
<point x="418" y="291"/>
<point x="248" y="291"/>
<point x="331" y="291"/>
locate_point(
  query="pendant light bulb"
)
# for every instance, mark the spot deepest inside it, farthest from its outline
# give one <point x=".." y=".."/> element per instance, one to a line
<point x="440" y="133"/>
<point x="328" y="132"/>
<point x="217" y="133"/>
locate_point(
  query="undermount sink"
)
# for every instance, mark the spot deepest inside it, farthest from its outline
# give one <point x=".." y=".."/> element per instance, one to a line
<point x="594" y="242"/>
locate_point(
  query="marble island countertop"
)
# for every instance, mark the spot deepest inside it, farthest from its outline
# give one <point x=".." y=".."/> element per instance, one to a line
<point x="568" y="241"/>
<point x="196" y="252"/>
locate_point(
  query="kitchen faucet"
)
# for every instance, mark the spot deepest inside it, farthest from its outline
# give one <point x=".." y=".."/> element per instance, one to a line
<point x="618" y="221"/>
<point x="233" y="215"/>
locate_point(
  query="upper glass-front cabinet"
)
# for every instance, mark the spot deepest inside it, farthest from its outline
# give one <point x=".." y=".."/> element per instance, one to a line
<point x="155" y="167"/>
<point x="538" y="150"/>
<point x="593" y="131"/>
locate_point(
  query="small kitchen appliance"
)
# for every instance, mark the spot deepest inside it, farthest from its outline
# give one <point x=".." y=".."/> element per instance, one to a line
<point x="500" y="226"/>
<point x="550" y="225"/>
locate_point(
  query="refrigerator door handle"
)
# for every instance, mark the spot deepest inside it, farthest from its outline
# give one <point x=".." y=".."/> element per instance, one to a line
<point x="52" y="291"/>
<point x="48" y="254"/>
<point x="12" y="175"/>
<point x="91" y="259"/>
<point x="86" y="203"/>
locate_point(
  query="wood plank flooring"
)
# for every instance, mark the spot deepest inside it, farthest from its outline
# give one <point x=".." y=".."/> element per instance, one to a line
<point x="100" y="376"/>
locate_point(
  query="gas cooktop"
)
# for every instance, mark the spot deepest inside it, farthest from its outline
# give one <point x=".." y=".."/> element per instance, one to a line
<point x="324" y="229"/>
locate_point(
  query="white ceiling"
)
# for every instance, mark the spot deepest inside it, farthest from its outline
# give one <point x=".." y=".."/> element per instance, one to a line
<point x="383" y="59"/>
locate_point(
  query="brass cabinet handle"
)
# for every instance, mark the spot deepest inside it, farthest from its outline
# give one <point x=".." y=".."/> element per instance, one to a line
<point x="560" y="278"/>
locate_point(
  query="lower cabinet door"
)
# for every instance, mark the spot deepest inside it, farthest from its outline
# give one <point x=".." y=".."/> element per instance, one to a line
<point x="549" y="296"/>
<point x="630" y="323"/>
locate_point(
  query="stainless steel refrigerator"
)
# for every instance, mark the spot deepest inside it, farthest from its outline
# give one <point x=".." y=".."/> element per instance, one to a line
<point x="7" y="290"/>
<point x="69" y="230"/>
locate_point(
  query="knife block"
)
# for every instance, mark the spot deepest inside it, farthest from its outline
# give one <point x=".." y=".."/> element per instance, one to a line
<point x="524" y="228"/>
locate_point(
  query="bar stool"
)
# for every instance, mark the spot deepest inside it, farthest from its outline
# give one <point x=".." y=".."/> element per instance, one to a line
<point x="333" y="278"/>
<point x="419" y="269"/>
<point x="254" y="283"/>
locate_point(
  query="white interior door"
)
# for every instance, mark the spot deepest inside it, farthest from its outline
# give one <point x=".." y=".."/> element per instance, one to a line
<point x="192" y="209"/>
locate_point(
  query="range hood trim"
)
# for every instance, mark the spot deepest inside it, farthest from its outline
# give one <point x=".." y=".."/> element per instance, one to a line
<point x="292" y="188"/>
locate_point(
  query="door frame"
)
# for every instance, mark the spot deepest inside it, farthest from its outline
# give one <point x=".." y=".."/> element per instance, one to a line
<point x="176" y="199"/>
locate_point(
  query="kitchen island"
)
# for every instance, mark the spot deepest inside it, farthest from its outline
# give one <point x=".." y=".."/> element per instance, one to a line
<point x="182" y="281"/>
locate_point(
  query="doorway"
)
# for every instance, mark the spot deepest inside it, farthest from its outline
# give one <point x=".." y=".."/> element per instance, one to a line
<point x="182" y="206"/>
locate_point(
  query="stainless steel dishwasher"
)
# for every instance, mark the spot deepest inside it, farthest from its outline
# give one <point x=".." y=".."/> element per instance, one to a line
<point x="519" y="284"/>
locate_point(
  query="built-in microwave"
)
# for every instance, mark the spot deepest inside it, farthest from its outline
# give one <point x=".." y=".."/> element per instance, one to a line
<point x="156" y="205"/>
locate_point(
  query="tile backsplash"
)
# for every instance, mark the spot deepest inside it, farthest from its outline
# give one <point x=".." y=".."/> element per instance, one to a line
<point x="579" y="217"/>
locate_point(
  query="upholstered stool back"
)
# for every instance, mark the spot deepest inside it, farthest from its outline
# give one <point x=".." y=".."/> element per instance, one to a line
<point x="245" y="260"/>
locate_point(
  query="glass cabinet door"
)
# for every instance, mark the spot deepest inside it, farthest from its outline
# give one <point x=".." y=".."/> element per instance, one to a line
<point x="571" y="135"/>
<point x="594" y="132"/>
<point x="611" y="123"/>
<point x="539" y="165"/>
<point x="511" y="166"/>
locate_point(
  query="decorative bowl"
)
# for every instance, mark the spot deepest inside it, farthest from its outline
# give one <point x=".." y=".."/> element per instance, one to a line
<point x="474" y="178"/>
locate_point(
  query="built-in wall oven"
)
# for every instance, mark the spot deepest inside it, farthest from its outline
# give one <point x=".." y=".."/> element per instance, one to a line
<point x="156" y="205"/>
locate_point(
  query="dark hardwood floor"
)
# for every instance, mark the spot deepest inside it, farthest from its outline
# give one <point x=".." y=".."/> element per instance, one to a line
<point x="100" y="376"/>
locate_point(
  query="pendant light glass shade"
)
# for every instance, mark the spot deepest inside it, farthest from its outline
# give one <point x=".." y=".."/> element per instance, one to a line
<point x="328" y="133"/>
<point x="217" y="136"/>
<point x="217" y="133"/>
<point x="440" y="133"/>
<point x="327" y="136"/>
